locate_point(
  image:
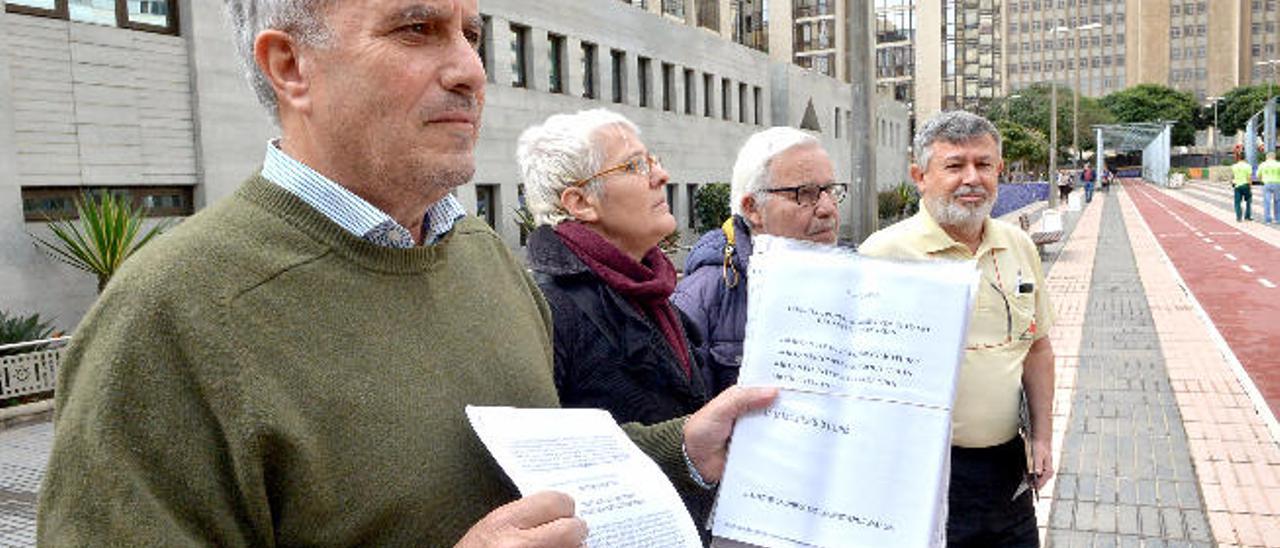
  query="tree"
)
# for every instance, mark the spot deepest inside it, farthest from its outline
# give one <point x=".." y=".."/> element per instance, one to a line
<point x="711" y="206"/>
<point x="1024" y="147"/>
<point x="107" y="233"/>
<point x="1157" y="103"/>
<point x="1235" y="108"/>
<point x="1030" y="109"/>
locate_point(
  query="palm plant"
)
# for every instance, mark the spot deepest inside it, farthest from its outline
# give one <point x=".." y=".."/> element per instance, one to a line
<point x="106" y="234"/>
<point x="16" y="329"/>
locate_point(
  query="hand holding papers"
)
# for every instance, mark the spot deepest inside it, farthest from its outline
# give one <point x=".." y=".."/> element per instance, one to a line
<point x="621" y="494"/>
<point x="854" y="450"/>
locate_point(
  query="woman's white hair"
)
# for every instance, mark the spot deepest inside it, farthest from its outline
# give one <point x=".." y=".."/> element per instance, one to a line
<point x="751" y="170"/>
<point x="563" y="149"/>
<point x="301" y="19"/>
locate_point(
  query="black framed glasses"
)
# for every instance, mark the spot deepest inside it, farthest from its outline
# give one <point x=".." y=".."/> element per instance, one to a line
<point x="808" y="195"/>
<point x="642" y="165"/>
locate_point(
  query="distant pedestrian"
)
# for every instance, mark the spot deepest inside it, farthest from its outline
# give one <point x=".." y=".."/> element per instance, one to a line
<point x="1242" y="173"/>
<point x="1064" y="185"/>
<point x="1088" y="177"/>
<point x="1269" y="172"/>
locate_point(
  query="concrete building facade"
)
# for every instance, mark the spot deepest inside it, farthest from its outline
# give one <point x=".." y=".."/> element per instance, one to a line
<point x="166" y="116"/>
<point x="1206" y="47"/>
<point x="966" y="52"/>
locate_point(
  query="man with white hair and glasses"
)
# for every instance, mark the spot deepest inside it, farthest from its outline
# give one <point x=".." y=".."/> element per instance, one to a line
<point x="783" y="185"/>
<point x="291" y="365"/>
<point x="1008" y="358"/>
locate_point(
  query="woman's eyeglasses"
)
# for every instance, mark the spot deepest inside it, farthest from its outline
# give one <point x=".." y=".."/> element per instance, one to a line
<point x="642" y="165"/>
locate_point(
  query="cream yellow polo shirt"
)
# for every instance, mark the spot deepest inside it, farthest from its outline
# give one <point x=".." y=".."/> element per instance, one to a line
<point x="988" y="390"/>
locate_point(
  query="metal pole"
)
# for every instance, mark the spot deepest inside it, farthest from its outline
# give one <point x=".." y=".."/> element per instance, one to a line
<point x="1075" y="104"/>
<point x="1053" y="124"/>
<point x="1269" y="126"/>
<point x="1097" y="153"/>
<point x="1214" y="144"/>
<point x="862" y="209"/>
<point x="1251" y="141"/>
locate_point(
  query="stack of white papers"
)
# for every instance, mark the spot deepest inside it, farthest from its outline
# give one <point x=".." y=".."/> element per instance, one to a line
<point x="854" y="451"/>
<point x="619" y="492"/>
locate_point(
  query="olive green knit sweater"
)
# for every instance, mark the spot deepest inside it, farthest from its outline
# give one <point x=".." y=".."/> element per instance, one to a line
<point x="260" y="377"/>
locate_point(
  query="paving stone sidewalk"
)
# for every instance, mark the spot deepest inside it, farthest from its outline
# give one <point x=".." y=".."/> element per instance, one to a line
<point x="23" y="452"/>
<point x="1125" y="476"/>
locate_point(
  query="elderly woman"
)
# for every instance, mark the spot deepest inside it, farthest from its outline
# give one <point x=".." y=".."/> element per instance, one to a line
<point x="597" y="196"/>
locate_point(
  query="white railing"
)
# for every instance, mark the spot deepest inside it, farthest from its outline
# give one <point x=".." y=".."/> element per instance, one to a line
<point x="32" y="371"/>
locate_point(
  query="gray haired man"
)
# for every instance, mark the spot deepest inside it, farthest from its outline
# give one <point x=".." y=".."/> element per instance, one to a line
<point x="783" y="185"/>
<point x="290" y="366"/>
<point x="1008" y="356"/>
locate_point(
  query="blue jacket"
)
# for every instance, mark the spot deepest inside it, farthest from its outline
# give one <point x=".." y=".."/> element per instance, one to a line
<point x="610" y="356"/>
<point x="713" y="295"/>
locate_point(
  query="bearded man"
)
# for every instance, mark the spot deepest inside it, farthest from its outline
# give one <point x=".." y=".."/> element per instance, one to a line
<point x="1008" y="359"/>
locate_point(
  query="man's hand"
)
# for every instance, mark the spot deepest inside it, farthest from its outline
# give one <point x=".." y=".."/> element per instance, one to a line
<point x="1042" y="460"/>
<point x="706" y="433"/>
<point x="541" y="520"/>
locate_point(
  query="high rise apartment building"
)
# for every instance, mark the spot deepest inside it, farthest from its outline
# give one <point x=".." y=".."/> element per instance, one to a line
<point x="1206" y="47"/>
<point x="965" y="53"/>
<point x="940" y="54"/>
<point x="895" y="48"/>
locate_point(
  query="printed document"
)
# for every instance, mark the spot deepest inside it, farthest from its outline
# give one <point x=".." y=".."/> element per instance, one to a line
<point x="618" y="490"/>
<point x="855" y="450"/>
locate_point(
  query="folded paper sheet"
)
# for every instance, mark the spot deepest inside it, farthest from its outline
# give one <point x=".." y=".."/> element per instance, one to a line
<point x="622" y="495"/>
<point x="854" y="452"/>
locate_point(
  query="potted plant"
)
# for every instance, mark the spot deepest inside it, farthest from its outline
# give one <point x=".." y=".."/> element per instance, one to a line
<point x="108" y="231"/>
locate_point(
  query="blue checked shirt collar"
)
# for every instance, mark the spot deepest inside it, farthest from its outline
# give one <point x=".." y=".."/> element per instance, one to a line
<point x="351" y="212"/>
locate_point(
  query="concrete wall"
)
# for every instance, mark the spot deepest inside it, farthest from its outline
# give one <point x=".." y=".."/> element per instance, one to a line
<point x="893" y="142"/>
<point x="178" y="109"/>
<point x="232" y="129"/>
<point x="1227" y="52"/>
<point x="929" y="35"/>
<point x="1147" y="43"/>
<point x="83" y="105"/>
<point x="695" y="149"/>
<point x="795" y="90"/>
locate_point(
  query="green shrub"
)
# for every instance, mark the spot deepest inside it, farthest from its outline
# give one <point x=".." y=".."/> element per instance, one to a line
<point x="897" y="203"/>
<point x="16" y="329"/>
<point x="711" y="206"/>
<point x="670" y="244"/>
<point x="524" y="220"/>
<point x="108" y="231"/>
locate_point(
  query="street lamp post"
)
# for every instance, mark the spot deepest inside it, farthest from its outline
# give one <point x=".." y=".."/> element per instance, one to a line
<point x="1075" y="101"/>
<point x="1213" y="137"/>
<point x="1053" y="123"/>
<point x="1053" y="104"/>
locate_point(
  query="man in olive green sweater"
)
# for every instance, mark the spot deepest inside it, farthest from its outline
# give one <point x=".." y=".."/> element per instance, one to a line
<point x="290" y="365"/>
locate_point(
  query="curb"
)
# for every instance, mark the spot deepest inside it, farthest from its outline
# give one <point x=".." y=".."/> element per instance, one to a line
<point x="1030" y="209"/>
<point x="21" y="415"/>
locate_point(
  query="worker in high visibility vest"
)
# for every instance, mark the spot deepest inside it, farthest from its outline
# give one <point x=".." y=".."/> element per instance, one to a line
<point x="1269" y="172"/>
<point x="1242" y="177"/>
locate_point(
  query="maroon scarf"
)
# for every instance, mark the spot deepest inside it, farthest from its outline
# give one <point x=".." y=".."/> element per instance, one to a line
<point x="647" y="285"/>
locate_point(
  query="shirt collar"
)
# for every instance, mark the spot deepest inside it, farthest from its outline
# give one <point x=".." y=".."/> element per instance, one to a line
<point x="933" y="239"/>
<point x="353" y="213"/>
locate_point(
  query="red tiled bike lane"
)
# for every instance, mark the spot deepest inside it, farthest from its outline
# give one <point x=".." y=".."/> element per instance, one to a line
<point x="1232" y="274"/>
